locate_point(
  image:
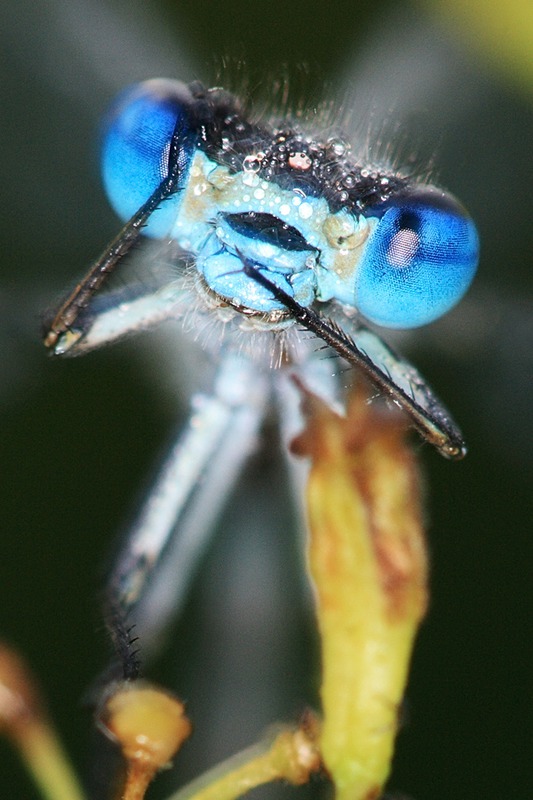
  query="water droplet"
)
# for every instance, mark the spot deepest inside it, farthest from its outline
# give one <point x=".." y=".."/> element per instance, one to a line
<point x="251" y="164"/>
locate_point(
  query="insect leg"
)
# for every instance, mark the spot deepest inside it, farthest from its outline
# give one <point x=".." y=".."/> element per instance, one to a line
<point x="155" y="565"/>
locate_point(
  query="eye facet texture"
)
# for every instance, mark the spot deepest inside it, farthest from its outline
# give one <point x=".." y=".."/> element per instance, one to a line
<point x="419" y="260"/>
<point x="136" y="147"/>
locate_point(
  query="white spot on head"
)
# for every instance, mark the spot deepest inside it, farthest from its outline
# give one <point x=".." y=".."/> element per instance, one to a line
<point x="250" y="179"/>
<point x="267" y="250"/>
<point x="285" y="209"/>
<point x="305" y="211"/>
<point x="259" y="194"/>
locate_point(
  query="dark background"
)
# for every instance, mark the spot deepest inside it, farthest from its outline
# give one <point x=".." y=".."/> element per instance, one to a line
<point x="79" y="437"/>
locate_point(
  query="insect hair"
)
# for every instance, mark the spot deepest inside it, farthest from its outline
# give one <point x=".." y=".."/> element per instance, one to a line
<point x="124" y="640"/>
<point x="301" y="99"/>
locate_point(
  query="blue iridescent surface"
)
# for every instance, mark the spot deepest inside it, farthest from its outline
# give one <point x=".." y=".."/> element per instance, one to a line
<point x="135" y="150"/>
<point x="419" y="262"/>
<point x="402" y="260"/>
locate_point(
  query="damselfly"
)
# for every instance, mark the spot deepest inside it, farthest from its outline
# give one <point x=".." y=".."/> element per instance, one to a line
<point x="265" y="231"/>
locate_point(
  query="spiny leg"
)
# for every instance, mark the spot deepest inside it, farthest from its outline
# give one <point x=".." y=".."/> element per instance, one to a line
<point x="155" y="565"/>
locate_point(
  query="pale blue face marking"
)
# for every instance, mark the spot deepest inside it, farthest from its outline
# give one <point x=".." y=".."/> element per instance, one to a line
<point x="402" y="263"/>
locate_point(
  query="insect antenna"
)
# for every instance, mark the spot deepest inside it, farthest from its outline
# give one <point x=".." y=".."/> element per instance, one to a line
<point x="427" y="413"/>
<point x="77" y="300"/>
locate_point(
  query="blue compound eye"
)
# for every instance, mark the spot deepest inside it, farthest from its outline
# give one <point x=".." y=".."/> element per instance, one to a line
<point x="136" y="145"/>
<point x="419" y="261"/>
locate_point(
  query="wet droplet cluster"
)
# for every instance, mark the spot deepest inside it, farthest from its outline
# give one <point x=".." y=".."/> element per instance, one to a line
<point x="289" y="158"/>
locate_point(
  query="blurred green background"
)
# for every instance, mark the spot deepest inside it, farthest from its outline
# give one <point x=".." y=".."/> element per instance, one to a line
<point x="79" y="437"/>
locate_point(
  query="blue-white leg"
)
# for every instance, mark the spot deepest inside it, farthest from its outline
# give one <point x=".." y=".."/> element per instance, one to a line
<point x="114" y="316"/>
<point x="153" y="571"/>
